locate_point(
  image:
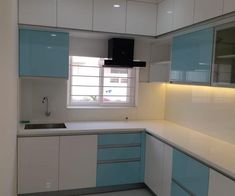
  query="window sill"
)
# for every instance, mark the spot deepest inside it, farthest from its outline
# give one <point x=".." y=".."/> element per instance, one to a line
<point x="100" y="107"/>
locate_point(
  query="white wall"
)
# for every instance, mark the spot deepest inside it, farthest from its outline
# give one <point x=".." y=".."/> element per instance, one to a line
<point x="151" y="103"/>
<point x="209" y="110"/>
<point x="8" y="97"/>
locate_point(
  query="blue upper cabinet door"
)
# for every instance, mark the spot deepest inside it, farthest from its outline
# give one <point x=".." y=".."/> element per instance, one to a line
<point x="44" y="54"/>
<point x="191" y="174"/>
<point x="192" y="56"/>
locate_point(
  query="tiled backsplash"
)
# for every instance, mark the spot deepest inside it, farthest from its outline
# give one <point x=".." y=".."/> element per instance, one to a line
<point x="210" y="110"/>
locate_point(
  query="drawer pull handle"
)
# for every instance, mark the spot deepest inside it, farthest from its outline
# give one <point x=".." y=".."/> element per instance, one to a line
<point x="119" y="161"/>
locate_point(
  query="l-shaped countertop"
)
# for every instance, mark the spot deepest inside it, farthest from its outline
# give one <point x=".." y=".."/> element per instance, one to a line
<point x="216" y="153"/>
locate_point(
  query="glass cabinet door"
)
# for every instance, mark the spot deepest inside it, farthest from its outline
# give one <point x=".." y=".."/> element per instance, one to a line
<point x="192" y="57"/>
<point x="224" y="62"/>
<point x="43" y="53"/>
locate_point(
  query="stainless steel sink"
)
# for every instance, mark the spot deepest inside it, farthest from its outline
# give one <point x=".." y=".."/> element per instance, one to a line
<point x="45" y="126"/>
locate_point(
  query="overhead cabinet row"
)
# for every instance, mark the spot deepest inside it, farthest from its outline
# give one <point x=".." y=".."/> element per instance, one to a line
<point x="176" y="14"/>
<point x="119" y="16"/>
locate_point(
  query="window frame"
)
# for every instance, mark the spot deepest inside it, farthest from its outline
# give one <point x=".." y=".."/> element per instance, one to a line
<point x="100" y="104"/>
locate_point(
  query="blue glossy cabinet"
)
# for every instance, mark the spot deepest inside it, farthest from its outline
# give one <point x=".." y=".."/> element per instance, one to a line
<point x="192" y="56"/>
<point x="43" y="53"/>
<point x="189" y="177"/>
<point x="120" y="159"/>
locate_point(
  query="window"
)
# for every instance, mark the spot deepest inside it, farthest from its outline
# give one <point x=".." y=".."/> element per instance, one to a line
<point x="92" y="85"/>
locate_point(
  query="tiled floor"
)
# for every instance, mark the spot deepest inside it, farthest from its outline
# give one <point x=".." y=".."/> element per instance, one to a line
<point x="138" y="192"/>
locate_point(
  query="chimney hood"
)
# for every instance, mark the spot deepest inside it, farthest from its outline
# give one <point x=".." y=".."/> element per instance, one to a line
<point x="121" y="54"/>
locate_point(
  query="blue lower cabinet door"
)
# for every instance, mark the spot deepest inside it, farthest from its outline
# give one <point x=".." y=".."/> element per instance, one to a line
<point x="43" y="53"/>
<point x="178" y="191"/>
<point x="110" y="174"/>
<point x="190" y="173"/>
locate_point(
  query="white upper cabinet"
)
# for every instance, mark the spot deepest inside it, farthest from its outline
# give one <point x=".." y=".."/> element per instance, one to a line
<point x="37" y="12"/>
<point x="220" y="185"/>
<point x="141" y="18"/>
<point x="109" y="16"/>
<point x="78" y="162"/>
<point x="38" y="159"/>
<point x="183" y="13"/>
<point x="207" y="9"/>
<point x="76" y="14"/>
<point x="229" y="6"/>
<point x="158" y="166"/>
<point x="165" y="16"/>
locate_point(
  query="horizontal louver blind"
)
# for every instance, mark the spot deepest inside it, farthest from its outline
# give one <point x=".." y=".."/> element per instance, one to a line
<point x="92" y="85"/>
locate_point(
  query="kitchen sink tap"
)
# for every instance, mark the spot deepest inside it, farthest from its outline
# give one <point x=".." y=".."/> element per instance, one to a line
<point x="46" y="100"/>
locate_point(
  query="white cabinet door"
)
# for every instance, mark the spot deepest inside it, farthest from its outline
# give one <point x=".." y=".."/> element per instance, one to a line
<point x="37" y="12"/>
<point x="38" y="159"/>
<point x="78" y="162"/>
<point x="165" y="16"/>
<point x="229" y="6"/>
<point x="158" y="166"/>
<point x="75" y="14"/>
<point x="220" y="185"/>
<point x="109" y="16"/>
<point x="141" y="18"/>
<point x="183" y="13"/>
<point x="206" y="9"/>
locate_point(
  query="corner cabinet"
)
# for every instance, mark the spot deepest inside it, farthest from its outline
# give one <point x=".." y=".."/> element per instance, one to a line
<point x="189" y="177"/>
<point x="158" y="166"/>
<point x="192" y="57"/>
<point x="44" y="53"/>
<point x="120" y="159"/>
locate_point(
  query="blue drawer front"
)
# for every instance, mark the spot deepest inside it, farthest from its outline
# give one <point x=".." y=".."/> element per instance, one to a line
<point x="119" y="153"/>
<point x="44" y="53"/>
<point x="118" y="173"/>
<point x="190" y="173"/>
<point x="110" y="139"/>
<point x="177" y="191"/>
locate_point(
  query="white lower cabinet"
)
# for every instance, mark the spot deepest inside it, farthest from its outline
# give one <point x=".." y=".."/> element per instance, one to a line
<point x="78" y="162"/>
<point x="220" y="185"/>
<point x="158" y="166"/>
<point x="38" y="164"/>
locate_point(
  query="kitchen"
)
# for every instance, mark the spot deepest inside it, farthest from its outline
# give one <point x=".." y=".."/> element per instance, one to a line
<point x="177" y="109"/>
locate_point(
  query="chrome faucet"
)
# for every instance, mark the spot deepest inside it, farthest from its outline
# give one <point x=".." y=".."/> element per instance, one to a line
<point x="46" y="100"/>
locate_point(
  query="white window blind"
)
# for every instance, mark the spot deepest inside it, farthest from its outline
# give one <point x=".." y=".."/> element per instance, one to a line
<point x="92" y="85"/>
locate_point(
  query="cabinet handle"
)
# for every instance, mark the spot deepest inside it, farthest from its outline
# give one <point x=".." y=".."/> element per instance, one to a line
<point x="119" y="145"/>
<point x="119" y="161"/>
<point x="183" y="187"/>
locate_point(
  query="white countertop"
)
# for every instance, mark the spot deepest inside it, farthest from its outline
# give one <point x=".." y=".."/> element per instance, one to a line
<point x="218" y="154"/>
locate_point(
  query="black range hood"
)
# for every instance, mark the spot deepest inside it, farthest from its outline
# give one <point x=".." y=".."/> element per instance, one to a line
<point x="121" y="54"/>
